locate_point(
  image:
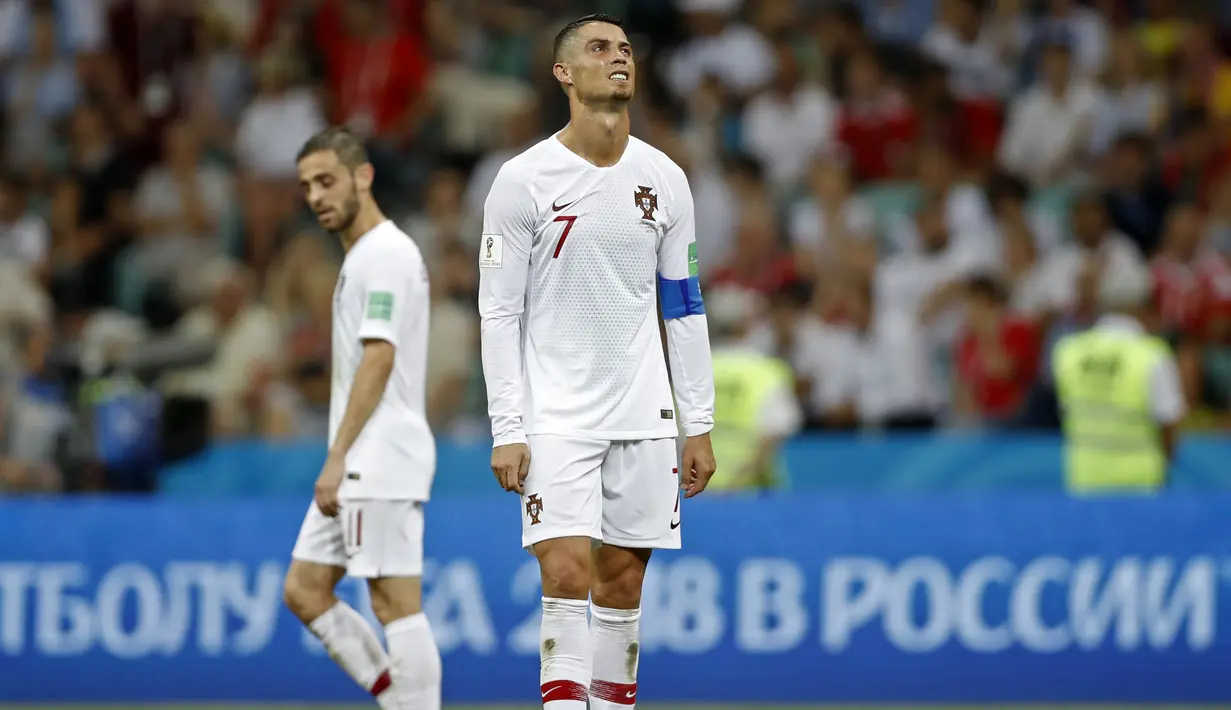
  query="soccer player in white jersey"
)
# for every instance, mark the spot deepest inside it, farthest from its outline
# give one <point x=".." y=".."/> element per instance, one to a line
<point x="367" y="516"/>
<point x="584" y="236"/>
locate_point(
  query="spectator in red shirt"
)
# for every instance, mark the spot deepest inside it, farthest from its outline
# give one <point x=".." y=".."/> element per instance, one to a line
<point x="1185" y="272"/>
<point x="997" y="358"/>
<point x="759" y="263"/>
<point x="877" y="124"/>
<point x="377" y="74"/>
<point x="323" y="24"/>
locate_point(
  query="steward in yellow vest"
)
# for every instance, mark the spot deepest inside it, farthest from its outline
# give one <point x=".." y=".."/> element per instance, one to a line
<point x="754" y="400"/>
<point x="1119" y="393"/>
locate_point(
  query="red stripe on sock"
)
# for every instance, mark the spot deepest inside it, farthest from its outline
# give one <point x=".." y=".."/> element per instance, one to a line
<point x="382" y="684"/>
<point x="554" y="690"/>
<point x="615" y="693"/>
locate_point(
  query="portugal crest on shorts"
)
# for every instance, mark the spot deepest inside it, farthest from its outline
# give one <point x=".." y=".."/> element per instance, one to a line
<point x="534" y="508"/>
<point x="647" y="201"/>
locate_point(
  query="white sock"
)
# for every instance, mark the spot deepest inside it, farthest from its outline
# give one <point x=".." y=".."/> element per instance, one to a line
<point x="416" y="662"/>
<point x="615" y="638"/>
<point x="564" y="654"/>
<point x="353" y="644"/>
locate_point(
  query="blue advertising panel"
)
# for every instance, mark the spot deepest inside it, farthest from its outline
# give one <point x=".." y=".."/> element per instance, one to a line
<point x="1028" y="463"/>
<point x="799" y="599"/>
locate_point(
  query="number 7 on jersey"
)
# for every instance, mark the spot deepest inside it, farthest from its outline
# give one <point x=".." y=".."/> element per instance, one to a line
<point x="568" y="225"/>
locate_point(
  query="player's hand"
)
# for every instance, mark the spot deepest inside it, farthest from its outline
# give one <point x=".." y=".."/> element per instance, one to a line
<point x="697" y="465"/>
<point x="328" y="483"/>
<point x="511" y="464"/>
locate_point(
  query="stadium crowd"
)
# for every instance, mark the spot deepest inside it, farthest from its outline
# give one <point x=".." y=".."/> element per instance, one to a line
<point x="906" y="200"/>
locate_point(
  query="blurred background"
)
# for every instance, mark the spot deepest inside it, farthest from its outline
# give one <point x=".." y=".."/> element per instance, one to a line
<point x="901" y="204"/>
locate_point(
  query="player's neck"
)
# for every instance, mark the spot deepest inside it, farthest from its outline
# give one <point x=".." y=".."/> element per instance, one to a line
<point x="598" y="136"/>
<point x="369" y="218"/>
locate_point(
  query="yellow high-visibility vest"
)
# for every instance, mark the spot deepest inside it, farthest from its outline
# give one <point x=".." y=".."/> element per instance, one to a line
<point x="742" y="381"/>
<point x="1112" y="442"/>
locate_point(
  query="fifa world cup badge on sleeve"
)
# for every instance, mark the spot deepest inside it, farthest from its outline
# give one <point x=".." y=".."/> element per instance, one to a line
<point x="491" y="251"/>
<point x="380" y="305"/>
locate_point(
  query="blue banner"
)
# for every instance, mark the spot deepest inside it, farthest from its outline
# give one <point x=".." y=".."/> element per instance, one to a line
<point x="801" y="599"/>
<point x="1027" y="463"/>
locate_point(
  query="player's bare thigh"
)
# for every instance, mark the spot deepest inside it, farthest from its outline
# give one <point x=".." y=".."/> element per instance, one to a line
<point x="564" y="565"/>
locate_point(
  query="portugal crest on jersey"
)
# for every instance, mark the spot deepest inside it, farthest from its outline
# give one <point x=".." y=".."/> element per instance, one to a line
<point x="647" y="201"/>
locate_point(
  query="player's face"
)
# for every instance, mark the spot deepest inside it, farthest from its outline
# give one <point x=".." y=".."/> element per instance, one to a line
<point x="330" y="189"/>
<point x="600" y="64"/>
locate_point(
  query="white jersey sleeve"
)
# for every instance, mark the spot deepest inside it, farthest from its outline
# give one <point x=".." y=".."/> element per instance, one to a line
<point x="688" y="347"/>
<point x="504" y="262"/>
<point x="387" y="286"/>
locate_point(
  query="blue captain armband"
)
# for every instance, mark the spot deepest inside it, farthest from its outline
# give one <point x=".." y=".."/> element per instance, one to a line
<point x="680" y="297"/>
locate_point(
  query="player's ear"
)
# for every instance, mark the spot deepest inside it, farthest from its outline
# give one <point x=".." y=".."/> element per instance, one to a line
<point x="364" y="176"/>
<point x="562" y="74"/>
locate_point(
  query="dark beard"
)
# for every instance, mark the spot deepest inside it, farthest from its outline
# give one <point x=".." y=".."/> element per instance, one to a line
<point x="350" y="211"/>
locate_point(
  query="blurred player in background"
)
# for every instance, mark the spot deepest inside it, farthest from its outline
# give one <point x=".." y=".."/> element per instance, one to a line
<point x="367" y="517"/>
<point x="583" y="235"/>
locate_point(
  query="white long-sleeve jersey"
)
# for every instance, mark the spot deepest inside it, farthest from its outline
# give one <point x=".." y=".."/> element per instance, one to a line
<point x="574" y="260"/>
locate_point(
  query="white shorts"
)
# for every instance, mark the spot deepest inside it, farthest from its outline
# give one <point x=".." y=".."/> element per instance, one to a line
<point x="623" y="493"/>
<point x="370" y="538"/>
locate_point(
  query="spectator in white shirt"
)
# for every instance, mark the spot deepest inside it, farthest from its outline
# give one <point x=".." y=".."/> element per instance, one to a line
<point x="971" y="56"/>
<point x="1097" y="252"/>
<point x="927" y="285"/>
<point x="24" y="236"/>
<point x="1131" y="101"/>
<point x="81" y="23"/>
<point x="39" y="90"/>
<point x="180" y="205"/>
<point x="520" y="131"/>
<point x="888" y="381"/>
<point x="1049" y="125"/>
<point x="832" y="227"/>
<point x="1022" y="234"/>
<point x="790" y="122"/>
<point x="732" y="52"/>
<point x="275" y="125"/>
<point x="967" y="216"/>
<point x="1082" y="29"/>
<point x="721" y="195"/>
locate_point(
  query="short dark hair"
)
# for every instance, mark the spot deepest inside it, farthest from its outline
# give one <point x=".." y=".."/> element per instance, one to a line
<point x="987" y="287"/>
<point x="847" y="13"/>
<point x="1134" y="141"/>
<point x="342" y="141"/>
<point x="566" y="33"/>
<point x="1056" y="44"/>
<point x="1004" y="186"/>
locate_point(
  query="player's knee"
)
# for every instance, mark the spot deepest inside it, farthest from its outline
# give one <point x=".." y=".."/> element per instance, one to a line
<point x="305" y="598"/>
<point x="565" y="576"/>
<point x="394" y="599"/>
